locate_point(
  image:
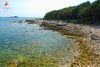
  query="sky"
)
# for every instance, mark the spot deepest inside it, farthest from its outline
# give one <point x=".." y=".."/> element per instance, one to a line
<point x="34" y="8"/>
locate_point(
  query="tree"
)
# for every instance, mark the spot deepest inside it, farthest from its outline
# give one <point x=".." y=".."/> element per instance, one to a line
<point x="82" y="11"/>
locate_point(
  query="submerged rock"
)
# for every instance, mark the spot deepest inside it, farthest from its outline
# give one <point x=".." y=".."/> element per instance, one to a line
<point x="13" y="63"/>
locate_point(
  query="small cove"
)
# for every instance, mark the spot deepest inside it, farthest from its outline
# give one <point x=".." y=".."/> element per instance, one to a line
<point x="30" y="44"/>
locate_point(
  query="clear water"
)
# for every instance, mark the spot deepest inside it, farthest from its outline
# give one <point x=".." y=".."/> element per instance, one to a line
<point x="23" y="41"/>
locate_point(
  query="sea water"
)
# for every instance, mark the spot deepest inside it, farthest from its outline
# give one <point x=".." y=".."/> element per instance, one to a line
<point x="29" y="42"/>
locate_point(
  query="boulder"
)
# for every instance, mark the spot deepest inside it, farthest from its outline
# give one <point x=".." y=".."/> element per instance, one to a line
<point x="95" y="36"/>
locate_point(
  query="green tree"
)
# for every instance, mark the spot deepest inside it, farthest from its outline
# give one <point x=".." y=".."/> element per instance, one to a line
<point x="84" y="11"/>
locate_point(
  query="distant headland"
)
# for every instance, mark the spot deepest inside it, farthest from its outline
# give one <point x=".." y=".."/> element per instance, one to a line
<point x="13" y="17"/>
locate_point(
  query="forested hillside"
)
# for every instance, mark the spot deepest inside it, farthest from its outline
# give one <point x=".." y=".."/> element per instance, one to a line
<point x="84" y="11"/>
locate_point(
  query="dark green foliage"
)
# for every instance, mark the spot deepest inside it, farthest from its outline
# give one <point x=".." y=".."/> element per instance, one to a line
<point x="51" y="15"/>
<point x="94" y="10"/>
<point x="84" y="11"/>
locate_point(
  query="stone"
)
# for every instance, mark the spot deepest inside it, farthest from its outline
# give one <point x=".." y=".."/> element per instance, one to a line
<point x="13" y="63"/>
<point x="95" y="36"/>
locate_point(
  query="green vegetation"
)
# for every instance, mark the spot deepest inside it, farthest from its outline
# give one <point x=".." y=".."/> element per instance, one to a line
<point x="85" y="11"/>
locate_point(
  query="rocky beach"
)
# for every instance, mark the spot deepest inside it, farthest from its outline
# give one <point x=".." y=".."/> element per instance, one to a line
<point x="50" y="33"/>
<point x="87" y="37"/>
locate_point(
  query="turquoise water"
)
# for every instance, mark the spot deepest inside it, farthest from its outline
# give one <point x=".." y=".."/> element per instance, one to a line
<point x="23" y="41"/>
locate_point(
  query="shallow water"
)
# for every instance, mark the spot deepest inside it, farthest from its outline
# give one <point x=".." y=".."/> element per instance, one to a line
<point x="25" y="42"/>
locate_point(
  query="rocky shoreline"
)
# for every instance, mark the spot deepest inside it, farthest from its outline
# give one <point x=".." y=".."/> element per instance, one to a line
<point x="89" y="32"/>
<point x="88" y="38"/>
<point x="89" y="41"/>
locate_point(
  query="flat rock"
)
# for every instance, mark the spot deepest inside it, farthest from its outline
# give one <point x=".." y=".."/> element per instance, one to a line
<point x="95" y="36"/>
